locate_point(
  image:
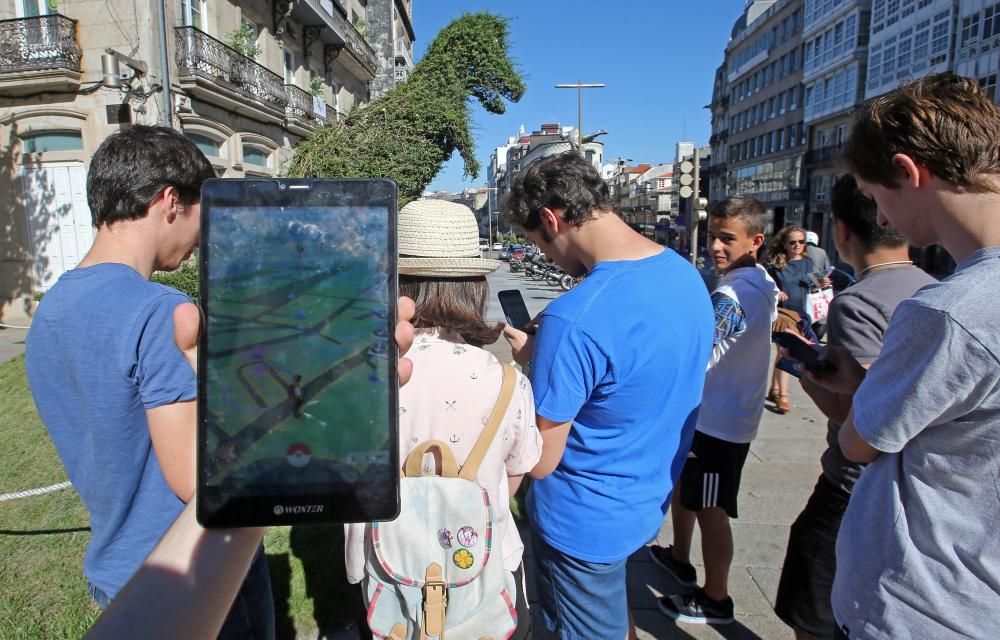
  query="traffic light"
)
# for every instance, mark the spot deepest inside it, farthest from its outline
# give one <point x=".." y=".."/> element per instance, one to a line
<point x="700" y="206"/>
<point x="687" y="177"/>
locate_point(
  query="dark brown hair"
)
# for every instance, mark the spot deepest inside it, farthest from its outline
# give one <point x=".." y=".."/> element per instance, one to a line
<point x="943" y="121"/>
<point x="860" y="215"/>
<point x="744" y="208"/>
<point x="454" y="305"/>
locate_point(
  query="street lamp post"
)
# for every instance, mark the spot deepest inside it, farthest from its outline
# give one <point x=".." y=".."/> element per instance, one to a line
<point x="489" y="220"/>
<point x="580" y="86"/>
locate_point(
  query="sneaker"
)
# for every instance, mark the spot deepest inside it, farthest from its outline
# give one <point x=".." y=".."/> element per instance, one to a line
<point x="682" y="572"/>
<point x="697" y="608"/>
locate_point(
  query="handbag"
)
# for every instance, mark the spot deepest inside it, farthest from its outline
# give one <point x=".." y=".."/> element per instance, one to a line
<point x="818" y="303"/>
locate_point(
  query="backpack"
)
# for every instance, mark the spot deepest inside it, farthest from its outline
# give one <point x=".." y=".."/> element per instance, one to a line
<point x="437" y="567"/>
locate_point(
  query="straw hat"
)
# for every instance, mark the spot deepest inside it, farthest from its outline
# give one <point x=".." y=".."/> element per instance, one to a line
<point x="440" y="239"/>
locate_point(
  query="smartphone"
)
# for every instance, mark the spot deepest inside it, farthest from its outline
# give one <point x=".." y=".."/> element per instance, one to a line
<point x="514" y="310"/>
<point x="297" y="384"/>
<point x="801" y="351"/>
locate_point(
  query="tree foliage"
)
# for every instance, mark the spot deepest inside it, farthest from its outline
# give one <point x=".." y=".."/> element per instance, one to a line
<point x="409" y="133"/>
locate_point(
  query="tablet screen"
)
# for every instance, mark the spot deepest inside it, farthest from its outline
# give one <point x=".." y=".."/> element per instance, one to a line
<point x="298" y="382"/>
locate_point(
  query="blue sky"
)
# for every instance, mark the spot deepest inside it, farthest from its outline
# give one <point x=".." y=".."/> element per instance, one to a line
<point x="657" y="57"/>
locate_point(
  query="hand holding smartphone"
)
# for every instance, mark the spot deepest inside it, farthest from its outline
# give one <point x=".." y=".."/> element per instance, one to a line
<point x="515" y="311"/>
<point x="801" y="351"/>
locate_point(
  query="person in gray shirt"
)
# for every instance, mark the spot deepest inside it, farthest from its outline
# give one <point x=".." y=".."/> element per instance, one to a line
<point x="858" y="319"/>
<point x="918" y="555"/>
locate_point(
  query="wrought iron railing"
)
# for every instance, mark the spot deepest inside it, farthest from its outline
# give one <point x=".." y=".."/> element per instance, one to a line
<point x="41" y="42"/>
<point x="825" y="154"/>
<point x="301" y="103"/>
<point x="200" y="54"/>
<point x="359" y="48"/>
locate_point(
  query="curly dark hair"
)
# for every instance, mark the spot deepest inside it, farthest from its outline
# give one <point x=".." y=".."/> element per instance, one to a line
<point x="565" y="181"/>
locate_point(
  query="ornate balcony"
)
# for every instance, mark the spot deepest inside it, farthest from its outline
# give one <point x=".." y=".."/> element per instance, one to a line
<point x="404" y="57"/>
<point x="336" y="33"/>
<point x="361" y="53"/>
<point x="302" y="113"/>
<point x="216" y="73"/>
<point x="39" y="54"/>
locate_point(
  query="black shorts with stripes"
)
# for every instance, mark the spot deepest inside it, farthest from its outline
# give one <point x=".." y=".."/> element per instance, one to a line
<point x="711" y="474"/>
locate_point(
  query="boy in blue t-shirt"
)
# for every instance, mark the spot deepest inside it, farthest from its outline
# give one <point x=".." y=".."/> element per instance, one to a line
<point x="110" y="385"/>
<point x="617" y="368"/>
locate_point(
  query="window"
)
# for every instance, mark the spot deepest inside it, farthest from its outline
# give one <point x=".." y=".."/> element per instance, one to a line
<point x="255" y="155"/>
<point x="289" y="67"/>
<point x="989" y="86"/>
<point x="192" y="13"/>
<point x="920" y="42"/>
<point x="991" y="21"/>
<point x="970" y="30"/>
<point x="43" y="141"/>
<point x="939" y="38"/>
<point x="207" y="145"/>
<point x="819" y="188"/>
<point x="32" y="8"/>
<point x="840" y="136"/>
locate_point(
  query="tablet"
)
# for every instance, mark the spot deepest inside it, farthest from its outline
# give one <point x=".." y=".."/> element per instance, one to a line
<point x="297" y="385"/>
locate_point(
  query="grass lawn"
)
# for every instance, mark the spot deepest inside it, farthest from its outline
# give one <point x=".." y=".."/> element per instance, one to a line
<point x="43" y="593"/>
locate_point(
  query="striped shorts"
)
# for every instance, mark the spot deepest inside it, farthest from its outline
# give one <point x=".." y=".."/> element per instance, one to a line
<point x="711" y="474"/>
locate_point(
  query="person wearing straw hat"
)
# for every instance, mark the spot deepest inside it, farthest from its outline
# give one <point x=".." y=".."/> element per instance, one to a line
<point x="455" y="381"/>
<point x="618" y="367"/>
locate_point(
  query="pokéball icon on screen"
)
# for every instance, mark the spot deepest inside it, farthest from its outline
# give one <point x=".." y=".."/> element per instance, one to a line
<point x="298" y="455"/>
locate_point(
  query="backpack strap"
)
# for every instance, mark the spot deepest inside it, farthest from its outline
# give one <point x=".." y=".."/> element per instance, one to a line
<point x="475" y="459"/>
<point x="398" y="633"/>
<point x="435" y="604"/>
<point x="415" y="460"/>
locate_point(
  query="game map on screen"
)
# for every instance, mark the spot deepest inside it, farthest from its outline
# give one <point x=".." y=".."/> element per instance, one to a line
<point x="297" y="338"/>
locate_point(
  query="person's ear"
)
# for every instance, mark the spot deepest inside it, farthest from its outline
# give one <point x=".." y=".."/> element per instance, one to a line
<point x="907" y="172"/>
<point x="841" y="232"/>
<point x="758" y="243"/>
<point x="550" y="220"/>
<point x="170" y="201"/>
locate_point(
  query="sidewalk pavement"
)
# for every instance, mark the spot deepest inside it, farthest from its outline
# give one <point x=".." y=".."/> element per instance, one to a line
<point x="779" y="475"/>
<point x="11" y="343"/>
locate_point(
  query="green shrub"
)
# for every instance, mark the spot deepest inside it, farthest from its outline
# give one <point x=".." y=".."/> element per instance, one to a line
<point x="183" y="279"/>
<point x="244" y="41"/>
<point x="410" y="132"/>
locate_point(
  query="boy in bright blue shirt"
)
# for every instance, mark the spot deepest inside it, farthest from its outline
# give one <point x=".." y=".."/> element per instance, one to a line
<point x="617" y="368"/>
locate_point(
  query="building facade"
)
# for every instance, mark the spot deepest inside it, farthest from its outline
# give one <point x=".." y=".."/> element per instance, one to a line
<point x="909" y="39"/>
<point x="244" y="79"/>
<point x="766" y="138"/>
<point x="835" y="56"/>
<point x="977" y="48"/>
<point x="390" y="31"/>
<point x="717" y="170"/>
